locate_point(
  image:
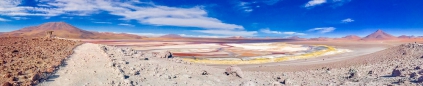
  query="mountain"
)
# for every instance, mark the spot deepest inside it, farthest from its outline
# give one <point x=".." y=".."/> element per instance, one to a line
<point x="351" y="37"/>
<point x="379" y="35"/>
<point x="293" y="37"/>
<point x="236" y="37"/>
<point x="171" y="36"/>
<point x="405" y="37"/>
<point x="64" y="30"/>
<point x="296" y="38"/>
<point x="321" y="39"/>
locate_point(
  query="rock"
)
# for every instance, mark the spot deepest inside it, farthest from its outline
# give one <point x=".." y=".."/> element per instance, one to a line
<point x="163" y="54"/>
<point x="396" y="73"/>
<point x="6" y="84"/>
<point x="413" y="75"/>
<point x="35" y="77"/>
<point x="234" y="70"/>
<point x="354" y="73"/>
<point x="420" y="79"/>
<point x="204" y="73"/>
<point x="248" y="83"/>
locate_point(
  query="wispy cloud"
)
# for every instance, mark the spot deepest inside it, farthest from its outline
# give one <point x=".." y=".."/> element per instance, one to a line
<point x="19" y="18"/>
<point x="333" y="3"/>
<point x="314" y="3"/>
<point x="348" y="20"/>
<point x="229" y="32"/>
<point x="148" y="13"/>
<point x="123" y="24"/>
<point x="103" y="22"/>
<point x="268" y="31"/>
<point x="323" y="29"/>
<point x="337" y="3"/>
<point x="245" y="6"/>
<point x="66" y="17"/>
<point x="3" y="20"/>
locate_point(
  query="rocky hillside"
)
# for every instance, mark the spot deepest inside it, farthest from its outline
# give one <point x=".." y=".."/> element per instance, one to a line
<point x="64" y="30"/>
<point x="26" y="61"/>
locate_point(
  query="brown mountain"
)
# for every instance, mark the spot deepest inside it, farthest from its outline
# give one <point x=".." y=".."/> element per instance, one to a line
<point x="171" y="36"/>
<point x="351" y="37"/>
<point x="64" y="30"/>
<point x="379" y="35"/>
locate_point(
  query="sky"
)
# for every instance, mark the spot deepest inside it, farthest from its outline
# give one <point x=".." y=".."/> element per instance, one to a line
<point x="221" y="18"/>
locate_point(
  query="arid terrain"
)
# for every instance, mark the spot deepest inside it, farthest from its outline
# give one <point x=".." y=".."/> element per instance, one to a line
<point x="77" y="59"/>
<point x="25" y="61"/>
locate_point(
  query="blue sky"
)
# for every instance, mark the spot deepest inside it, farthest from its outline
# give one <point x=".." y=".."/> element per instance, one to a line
<point x="221" y="18"/>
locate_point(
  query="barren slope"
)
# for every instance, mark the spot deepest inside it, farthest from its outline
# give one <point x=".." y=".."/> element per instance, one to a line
<point x="64" y="30"/>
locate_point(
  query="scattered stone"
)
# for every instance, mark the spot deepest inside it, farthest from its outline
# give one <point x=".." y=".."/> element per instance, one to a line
<point x="353" y="73"/>
<point x="234" y="70"/>
<point x="204" y="73"/>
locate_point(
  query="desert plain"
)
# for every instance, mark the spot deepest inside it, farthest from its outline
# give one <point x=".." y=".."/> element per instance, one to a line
<point x="379" y="59"/>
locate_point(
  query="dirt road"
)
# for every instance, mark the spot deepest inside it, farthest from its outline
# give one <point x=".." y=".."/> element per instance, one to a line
<point x="89" y="65"/>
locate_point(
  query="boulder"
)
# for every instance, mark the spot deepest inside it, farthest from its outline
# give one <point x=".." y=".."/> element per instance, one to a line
<point x="163" y="54"/>
<point x="234" y="70"/>
<point x="396" y="73"/>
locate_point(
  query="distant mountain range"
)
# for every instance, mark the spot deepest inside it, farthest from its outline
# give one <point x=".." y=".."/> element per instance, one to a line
<point x="171" y="36"/>
<point x="64" y="30"/>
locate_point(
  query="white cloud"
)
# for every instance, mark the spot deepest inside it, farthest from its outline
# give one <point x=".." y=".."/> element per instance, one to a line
<point x="268" y="31"/>
<point x="3" y="20"/>
<point x="228" y="32"/>
<point x="123" y="24"/>
<point x="314" y="3"/>
<point x="323" y="29"/>
<point x="148" y="13"/>
<point x="348" y="20"/>
<point x="19" y="18"/>
<point x="103" y="22"/>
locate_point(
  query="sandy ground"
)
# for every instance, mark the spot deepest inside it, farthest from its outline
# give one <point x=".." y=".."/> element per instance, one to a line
<point x="89" y="66"/>
<point x="134" y="68"/>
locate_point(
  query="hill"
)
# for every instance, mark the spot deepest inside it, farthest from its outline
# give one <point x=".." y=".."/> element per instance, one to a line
<point x="64" y="30"/>
<point x="406" y="37"/>
<point x="351" y="37"/>
<point x="379" y="35"/>
<point x="171" y="36"/>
